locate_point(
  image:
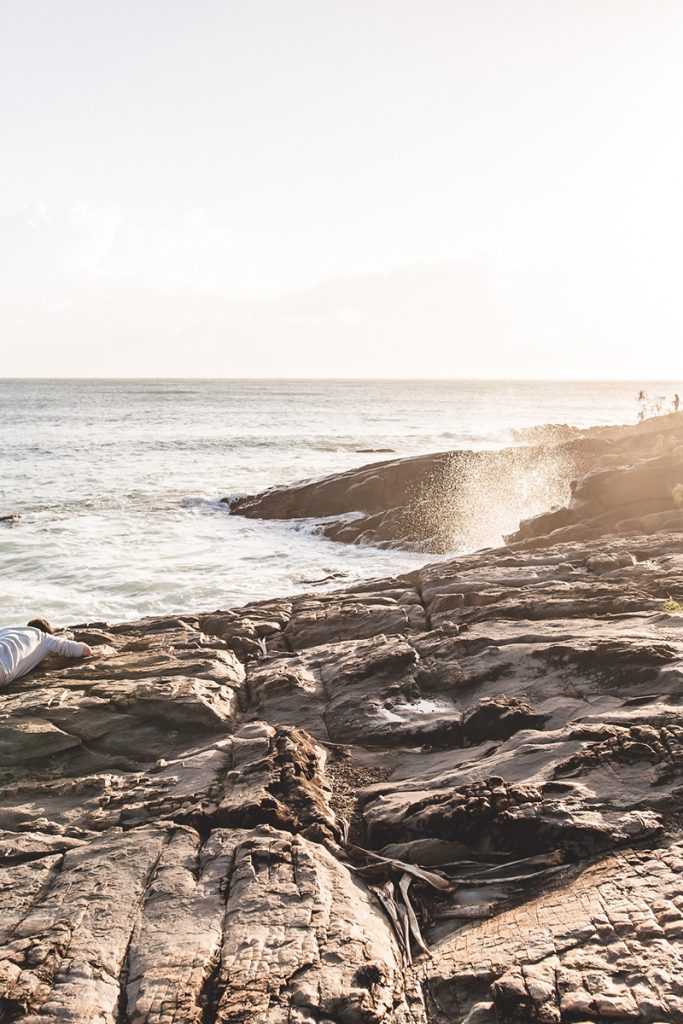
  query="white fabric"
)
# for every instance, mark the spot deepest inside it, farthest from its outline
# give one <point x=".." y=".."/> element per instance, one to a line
<point x="24" y="647"/>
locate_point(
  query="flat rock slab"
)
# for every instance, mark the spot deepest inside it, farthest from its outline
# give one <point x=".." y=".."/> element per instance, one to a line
<point x="605" y="945"/>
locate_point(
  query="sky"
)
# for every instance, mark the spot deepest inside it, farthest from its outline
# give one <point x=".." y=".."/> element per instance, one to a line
<point x="341" y="188"/>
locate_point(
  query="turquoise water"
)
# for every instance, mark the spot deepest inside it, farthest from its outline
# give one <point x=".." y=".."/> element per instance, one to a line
<point x="118" y="482"/>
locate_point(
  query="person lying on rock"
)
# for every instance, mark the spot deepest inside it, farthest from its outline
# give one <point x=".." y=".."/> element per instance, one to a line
<point x="24" y="647"/>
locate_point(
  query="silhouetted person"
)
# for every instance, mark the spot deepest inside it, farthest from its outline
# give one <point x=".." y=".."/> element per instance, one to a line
<point x="677" y="402"/>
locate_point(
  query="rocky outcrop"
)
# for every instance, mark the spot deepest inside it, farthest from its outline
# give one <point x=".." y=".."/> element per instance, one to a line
<point x="633" y="488"/>
<point x="453" y="796"/>
<point x="463" y="500"/>
<point x="434" y="503"/>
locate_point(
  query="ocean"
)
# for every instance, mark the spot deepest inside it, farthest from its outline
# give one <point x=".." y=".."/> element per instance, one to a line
<point x="118" y="482"/>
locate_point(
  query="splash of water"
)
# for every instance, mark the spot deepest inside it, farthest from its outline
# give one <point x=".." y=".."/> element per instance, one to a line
<point x="477" y="498"/>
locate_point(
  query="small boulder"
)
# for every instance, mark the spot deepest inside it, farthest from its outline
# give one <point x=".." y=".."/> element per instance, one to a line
<point x="498" y="718"/>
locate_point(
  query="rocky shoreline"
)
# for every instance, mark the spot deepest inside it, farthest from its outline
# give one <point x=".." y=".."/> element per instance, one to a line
<point x="447" y="501"/>
<point x="452" y="796"/>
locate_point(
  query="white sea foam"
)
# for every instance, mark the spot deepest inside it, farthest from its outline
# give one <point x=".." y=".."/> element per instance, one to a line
<point x="424" y="706"/>
<point x="118" y="483"/>
<point x="389" y="716"/>
<point x="230" y="499"/>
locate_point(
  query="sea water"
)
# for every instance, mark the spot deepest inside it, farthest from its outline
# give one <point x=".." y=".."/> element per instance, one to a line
<point x="118" y="482"/>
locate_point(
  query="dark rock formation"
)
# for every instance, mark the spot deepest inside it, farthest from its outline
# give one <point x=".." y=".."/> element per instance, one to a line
<point x="436" y="503"/>
<point x="462" y="500"/>
<point x="449" y="797"/>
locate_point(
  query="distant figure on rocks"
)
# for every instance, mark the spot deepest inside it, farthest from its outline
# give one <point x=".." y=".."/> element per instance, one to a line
<point x="677" y="402"/>
<point x="24" y="647"/>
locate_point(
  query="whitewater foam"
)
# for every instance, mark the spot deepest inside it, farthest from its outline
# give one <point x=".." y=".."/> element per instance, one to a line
<point x="118" y="483"/>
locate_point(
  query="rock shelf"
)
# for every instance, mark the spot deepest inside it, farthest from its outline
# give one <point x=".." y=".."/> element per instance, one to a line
<point x="453" y="796"/>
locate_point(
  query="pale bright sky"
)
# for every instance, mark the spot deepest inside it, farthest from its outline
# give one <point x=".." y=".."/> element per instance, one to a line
<point x="456" y="188"/>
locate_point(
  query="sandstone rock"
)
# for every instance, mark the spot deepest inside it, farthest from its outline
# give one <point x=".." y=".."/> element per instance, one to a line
<point x="268" y="814"/>
<point x="429" y="502"/>
<point x="594" y="948"/>
<point x="498" y="718"/>
<point x="304" y="940"/>
<point x="633" y="490"/>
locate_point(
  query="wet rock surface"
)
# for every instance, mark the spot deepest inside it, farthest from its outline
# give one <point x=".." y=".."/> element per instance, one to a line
<point x="454" y="796"/>
<point x="427" y="503"/>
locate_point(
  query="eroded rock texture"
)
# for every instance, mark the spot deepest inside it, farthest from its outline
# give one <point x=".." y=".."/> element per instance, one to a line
<point x="449" y="797"/>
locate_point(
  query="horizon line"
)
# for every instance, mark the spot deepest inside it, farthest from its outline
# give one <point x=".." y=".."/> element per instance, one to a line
<point x="339" y="380"/>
